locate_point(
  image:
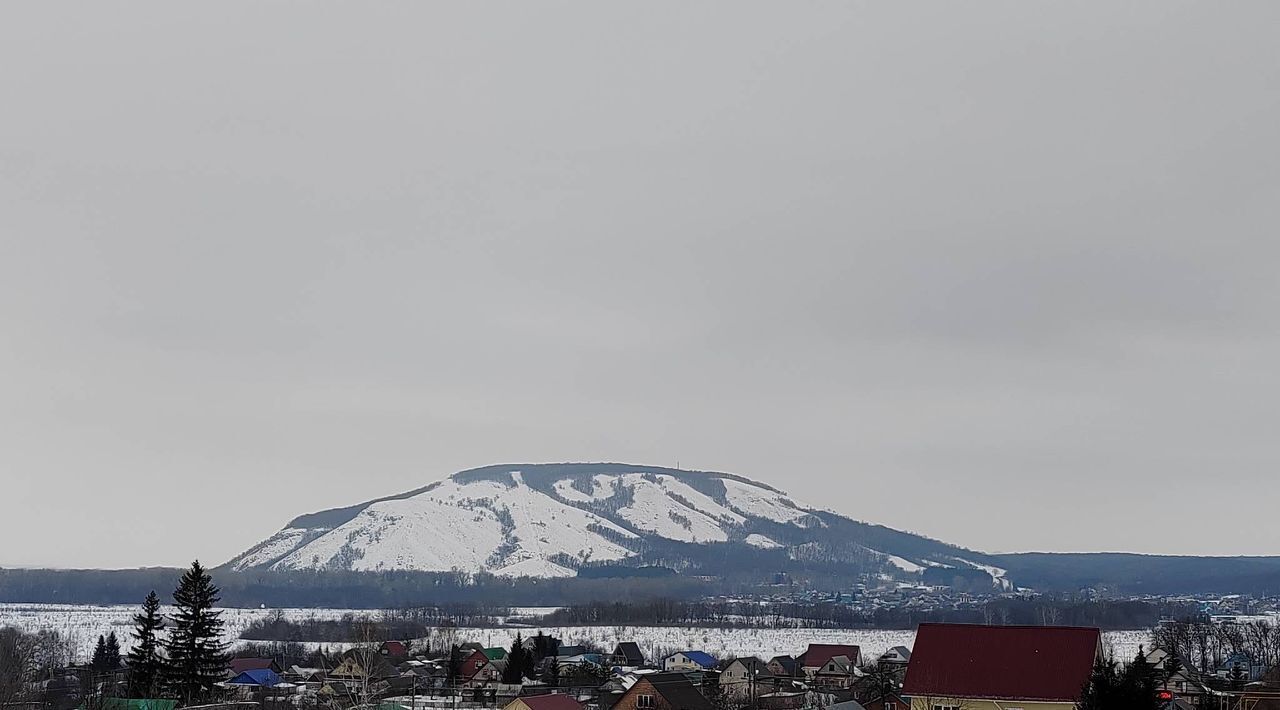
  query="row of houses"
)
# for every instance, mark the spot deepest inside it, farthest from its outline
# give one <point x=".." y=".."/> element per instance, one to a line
<point x="952" y="667"/>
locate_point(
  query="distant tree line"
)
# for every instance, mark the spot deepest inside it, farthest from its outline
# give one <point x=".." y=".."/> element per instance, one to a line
<point x="749" y="614"/>
<point x="1038" y="611"/>
<point x="348" y="590"/>
<point x="426" y="623"/>
<point x="1206" y="646"/>
<point x="390" y="623"/>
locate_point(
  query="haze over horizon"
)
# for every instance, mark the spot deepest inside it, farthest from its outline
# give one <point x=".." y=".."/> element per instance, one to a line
<point x="1000" y="274"/>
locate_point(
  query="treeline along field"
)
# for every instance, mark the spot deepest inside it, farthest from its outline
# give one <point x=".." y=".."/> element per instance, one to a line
<point x="421" y="623"/>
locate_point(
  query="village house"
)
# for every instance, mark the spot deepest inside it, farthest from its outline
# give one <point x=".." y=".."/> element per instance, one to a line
<point x="688" y="661"/>
<point x="256" y="678"/>
<point x="837" y="673"/>
<point x="892" y="701"/>
<point x="663" y="691"/>
<point x="973" y="667"/>
<point x="550" y="701"/>
<point x="1183" y="682"/>
<point x="309" y="676"/>
<point x="488" y="672"/>
<point x="783" y="667"/>
<point x="236" y="666"/>
<point x="359" y="665"/>
<point x="898" y="655"/>
<point x="472" y="663"/>
<point x="782" y="700"/>
<point x="743" y="679"/>
<point x="819" y="655"/>
<point x="394" y="649"/>
<point x="628" y="654"/>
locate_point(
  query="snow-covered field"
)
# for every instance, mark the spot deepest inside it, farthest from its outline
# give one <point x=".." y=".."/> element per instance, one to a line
<point x="85" y="623"/>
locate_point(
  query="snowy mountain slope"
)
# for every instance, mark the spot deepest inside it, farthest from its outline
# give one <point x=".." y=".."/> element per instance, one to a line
<point x="551" y="520"/>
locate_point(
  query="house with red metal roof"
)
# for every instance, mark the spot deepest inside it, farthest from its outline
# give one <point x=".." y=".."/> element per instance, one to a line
<point x="973" y="667"/>
<point x="236" y="666"/>
<point x="394" y="649"/>
<point x="819" y="655"/>
<point x="556" y="701"/>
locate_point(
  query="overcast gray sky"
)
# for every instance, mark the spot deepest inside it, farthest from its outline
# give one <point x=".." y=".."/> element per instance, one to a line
<point x="1004" y="273"/>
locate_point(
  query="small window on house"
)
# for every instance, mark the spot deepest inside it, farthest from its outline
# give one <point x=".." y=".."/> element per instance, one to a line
<point x="890" y="706"/>
<point x="644" y="701"/>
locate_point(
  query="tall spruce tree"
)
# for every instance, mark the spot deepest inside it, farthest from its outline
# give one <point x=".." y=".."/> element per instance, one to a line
<point x="455" y="665"/>
<point x="197" y="654"/>
<point x="145" y="662"/>
<point x="552" y="676"/>
<point x="515" y="670"/>
<point x="112" y="659"/>
<point x="99" y="661"/>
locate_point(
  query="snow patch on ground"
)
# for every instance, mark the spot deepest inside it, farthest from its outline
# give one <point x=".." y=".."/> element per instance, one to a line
<point x="904" y="564"/>
<point x="534" y="567"/>
<point x="273" y="548"/>
<point x="601" y="489"/>
<point x="758" y="540"/>
<point x="997" y="573"/>
<point x="651" y="509"/>
<point x="760" y="502"/>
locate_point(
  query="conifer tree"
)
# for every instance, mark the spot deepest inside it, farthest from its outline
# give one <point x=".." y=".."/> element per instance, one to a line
<point x="197" y="654"/>
<point x="515" y="670"/>
<point x="99" y="661"/>
<point x="552" y="677"/>
<point x="1140" y="677"/>
<point x="145" y="661"/>
<point x="111" y="660"/>
<point x="455" y="665"/>
<point x="1130" y="688"/>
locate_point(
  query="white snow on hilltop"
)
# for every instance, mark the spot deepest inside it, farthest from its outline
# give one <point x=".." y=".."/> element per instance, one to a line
<point x="760" y="502"/>
<point x="651" y="510"/>
<point x="482" y="525"/>
<point x="503" y="525"/>
<point x="602" y="489"/>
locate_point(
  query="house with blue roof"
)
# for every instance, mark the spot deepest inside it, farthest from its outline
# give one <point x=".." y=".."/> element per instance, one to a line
<point x="256" y="678"/>
<point x="689" y="661"/>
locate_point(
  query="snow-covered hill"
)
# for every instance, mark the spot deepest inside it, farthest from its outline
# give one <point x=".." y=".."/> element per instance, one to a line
<point x="552" y="520"/>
